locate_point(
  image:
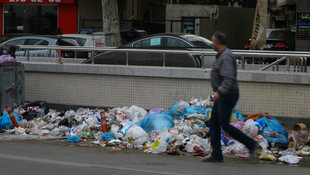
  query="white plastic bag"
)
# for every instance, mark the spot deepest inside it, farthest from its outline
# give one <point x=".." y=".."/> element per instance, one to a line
<point x="237" y="148"/>
<point x="197" y="142"/>
<point x="135" y="113"/>
<point x="290" y="159"/>
<point x="182" y="105"/>
<point x="159" y="146"/>
<point x="250" y="128"/>
<point x="136" y="135"/>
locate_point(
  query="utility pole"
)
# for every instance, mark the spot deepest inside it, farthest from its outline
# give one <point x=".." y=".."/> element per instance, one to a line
<point x="111" y="22"/>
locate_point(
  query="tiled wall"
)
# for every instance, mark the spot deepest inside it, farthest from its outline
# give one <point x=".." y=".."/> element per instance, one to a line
<point x="285" y="100"/>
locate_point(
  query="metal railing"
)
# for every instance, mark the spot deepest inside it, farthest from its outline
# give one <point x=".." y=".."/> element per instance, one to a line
<point x="297" y="60"/>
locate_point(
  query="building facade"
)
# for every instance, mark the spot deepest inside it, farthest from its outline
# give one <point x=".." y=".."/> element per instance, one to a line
<point x="38" y="16"/>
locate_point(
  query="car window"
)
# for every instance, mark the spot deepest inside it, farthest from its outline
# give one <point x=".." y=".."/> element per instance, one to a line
<point x="149" y="42"/>
<point x="80" y="41"/>
<point x="176" y="42"/>
<point x="40" y="42"/>
<point x="67" y="42"/>
<point x="17" y="42"/>
<point x="198" y="41"/>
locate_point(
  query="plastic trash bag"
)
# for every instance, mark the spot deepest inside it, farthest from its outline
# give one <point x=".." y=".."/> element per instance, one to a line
<point x="289" y="151"/>
<point x="267" y="156"/>
<point x="250" y="128"/>
<point x="237" y="148"/>
<point x="237" y="115"/>
<point x="300" y="134"/>
<point x="156" y="122"/>
<point x="159" y="146"/>
<point x="5" y="120"/>
<point x="197" y="144"/>
<point x="135" y="113"/>
<point x="136" y="135"/>
<point x="155" y="110"/>
<point x="108" y="136"/>
<point x="7" y="58"/>
<point x="193" y="110"/>
<point x="290" y="159"/>
<point x="273" y="131"/>
<point x="173" y="111"/>
<point x="126" y="128"/>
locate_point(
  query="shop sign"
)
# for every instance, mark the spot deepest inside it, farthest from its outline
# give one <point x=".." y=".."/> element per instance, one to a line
<point x="303" y="26"/>
<point x="37" y="1"/>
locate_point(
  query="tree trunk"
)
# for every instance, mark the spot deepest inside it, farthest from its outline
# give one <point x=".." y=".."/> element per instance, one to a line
<point x="111" y="22"/>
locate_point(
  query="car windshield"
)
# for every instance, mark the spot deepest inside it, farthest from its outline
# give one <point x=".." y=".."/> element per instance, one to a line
<point x="277" y="34"/>
<point x="80" y="41"/>
<point x="198" y="41"/>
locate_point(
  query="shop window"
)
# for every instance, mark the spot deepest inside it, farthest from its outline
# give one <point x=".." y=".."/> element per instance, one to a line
<point x="35" y="19"/>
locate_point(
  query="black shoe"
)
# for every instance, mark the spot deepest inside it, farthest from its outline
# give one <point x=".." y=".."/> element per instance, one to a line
<point x="212" y="159"/>
<point x="253" y="151"/>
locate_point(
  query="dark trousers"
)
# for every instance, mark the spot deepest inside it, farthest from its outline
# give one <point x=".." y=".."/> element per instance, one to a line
<point x="220" y="117"/>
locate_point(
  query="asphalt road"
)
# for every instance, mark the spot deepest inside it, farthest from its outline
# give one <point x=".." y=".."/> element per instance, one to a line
<point x="61" y="158"/>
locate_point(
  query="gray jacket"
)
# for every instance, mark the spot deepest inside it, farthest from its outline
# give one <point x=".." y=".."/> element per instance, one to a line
<point x="224" y="73"/>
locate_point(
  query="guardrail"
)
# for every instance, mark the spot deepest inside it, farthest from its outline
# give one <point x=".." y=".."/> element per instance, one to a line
<point x="295" y="59"/>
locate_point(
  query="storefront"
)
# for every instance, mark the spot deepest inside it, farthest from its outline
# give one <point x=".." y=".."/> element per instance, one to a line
<point x="38" y="16"/>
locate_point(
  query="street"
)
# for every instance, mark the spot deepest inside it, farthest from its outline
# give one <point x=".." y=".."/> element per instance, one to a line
<point x="58" y="157"/>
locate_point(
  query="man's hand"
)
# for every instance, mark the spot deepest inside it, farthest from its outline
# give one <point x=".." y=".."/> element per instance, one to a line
<point x="216" y="96"/>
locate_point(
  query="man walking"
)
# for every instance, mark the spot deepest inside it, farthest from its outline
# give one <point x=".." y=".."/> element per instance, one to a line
<point x="225" y="96"/>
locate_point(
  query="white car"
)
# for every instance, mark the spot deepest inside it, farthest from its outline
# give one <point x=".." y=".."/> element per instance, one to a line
<point x="82" y="39"/>
<point x="39" y="40"/>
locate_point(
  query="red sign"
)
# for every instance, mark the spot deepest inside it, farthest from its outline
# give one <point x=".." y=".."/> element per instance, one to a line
<point x="37" y="1"/>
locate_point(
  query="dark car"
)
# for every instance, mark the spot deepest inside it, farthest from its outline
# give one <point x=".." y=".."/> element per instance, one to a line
<point x="278" y="39"/>
<point x="157" y="41"/>
<point x="127" y="35"/>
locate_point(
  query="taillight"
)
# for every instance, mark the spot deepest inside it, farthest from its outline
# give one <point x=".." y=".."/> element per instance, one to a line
<point x="281" y="44"/>
<point x="63" y="55"/>
<point x="247" y="45"/>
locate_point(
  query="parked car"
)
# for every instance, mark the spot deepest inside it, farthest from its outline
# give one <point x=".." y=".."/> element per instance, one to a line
<point x="83" y="40"/>
<point x="6" y="37"/>
<point x="41" y="40"/>
<point x="127" y="35"/>
<point x="158" y="41"/>
<point x="277" y="39"/>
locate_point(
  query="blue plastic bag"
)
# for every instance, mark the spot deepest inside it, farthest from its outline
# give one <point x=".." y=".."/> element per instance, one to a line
<point x="126" y="128"/>
<point x="73" y="139"/>
<point x="5" y="120"/>
<point x="193" y="110"/>
<point x="156" y="122"/>
<point x="173" y="111"/>
<point x="237" y="115"/>
<point x="273" y="131"/>
<point x="108" y="136"/>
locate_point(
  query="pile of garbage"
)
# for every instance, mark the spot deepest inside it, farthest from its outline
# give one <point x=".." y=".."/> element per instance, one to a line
<point x="181" y="128"/>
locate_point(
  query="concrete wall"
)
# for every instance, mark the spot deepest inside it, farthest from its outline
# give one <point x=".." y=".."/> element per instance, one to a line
<point x="302" y="6"/>
<point x="90" y="13"/>
<point x="237" y="23"/>
<point x="177" y="11"/>
<point x="279" y="94"/>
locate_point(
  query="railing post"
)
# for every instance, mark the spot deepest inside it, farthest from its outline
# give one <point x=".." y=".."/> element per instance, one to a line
<point x="127" y="58"/>
<point x="59" y="58"/>
<point x="75" y="54"/>
<point x="164" y="59"/>
<point x="28" y="55"/>
<point x="306" y="64"/>
<point x="287" y="64"/>
<point x="301" y="64"/>
<point x="243" y="62"/>
<point x="202" y="61"/>
<point x="49" y="52"/>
